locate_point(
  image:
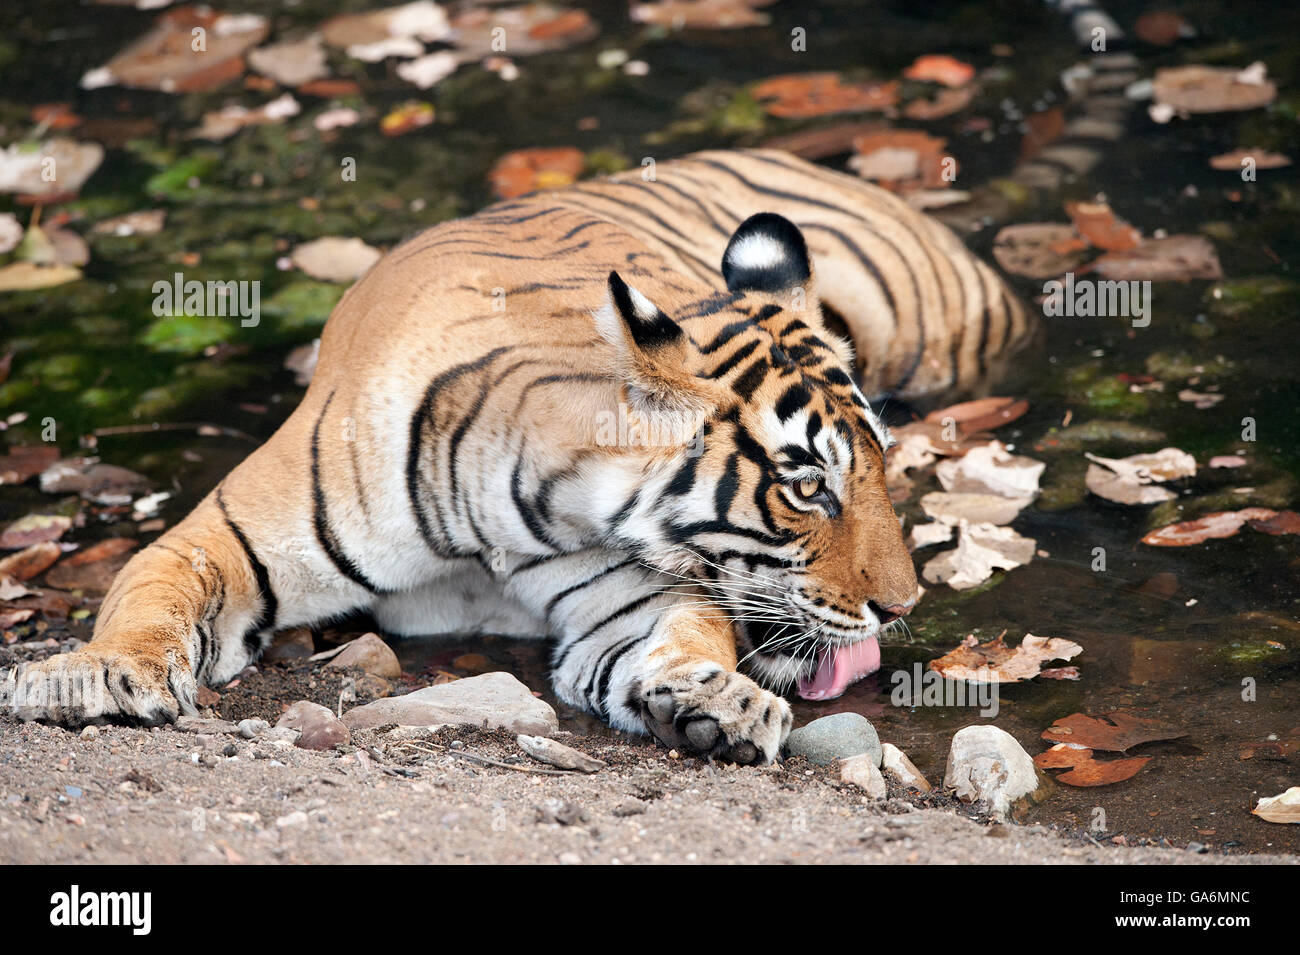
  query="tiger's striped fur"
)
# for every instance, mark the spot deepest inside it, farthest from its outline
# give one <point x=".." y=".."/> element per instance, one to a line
<point x="557" y="417"/>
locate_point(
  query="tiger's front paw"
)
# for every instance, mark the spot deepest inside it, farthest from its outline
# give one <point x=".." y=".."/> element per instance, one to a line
<point x="716" y="712"/>
<point x="100" y="685"/>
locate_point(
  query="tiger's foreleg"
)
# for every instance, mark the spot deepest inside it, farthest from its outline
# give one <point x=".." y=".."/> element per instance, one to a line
<point x="649" y="656"/>
<point x="192" y="608"/>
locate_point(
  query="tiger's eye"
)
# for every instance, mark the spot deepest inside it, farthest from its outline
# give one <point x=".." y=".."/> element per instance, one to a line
<point x="808" y="488"/>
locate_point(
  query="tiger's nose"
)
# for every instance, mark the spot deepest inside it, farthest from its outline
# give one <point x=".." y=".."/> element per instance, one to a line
<point x="890" y="613"/>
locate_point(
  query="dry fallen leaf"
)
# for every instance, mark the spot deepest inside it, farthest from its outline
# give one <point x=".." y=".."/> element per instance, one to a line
<point x="34" y="529"/>
<point x="527" y="170"/>
<point x="953" y="508"/>
<point x="1097" y="223"/>
<point x="25" y="168"/>
<point x="995" y="662"/>
<point x="903" y="160"/>
<point x="164" y="58"/>
<point x="991" y="469"/>
<point x="293" y="63"/>
<point x="24" y="462"/>
<point x="1039" y="250"/>
<point x="1175" y="258"/>
<point x="1212" y="89"/>
<point x="981" y="549"/>
<point x="928" y="534"/>
<point x="1162" y="27"/>
<point x="1096" y="772"/>
<point x="1222" y="524"/>
<point x="982" y="414"/>
<point x="1241" y="158"/>
<point x="335" y="259"/>
<point x="940" y="68"/>
<point x="1114" y="732"/>
<point x="1132" y="480"/>
<point x="1063" y="756"/>
<point x="702" y="14"/>
<point x="30" y="561"/>
<point x="1281" y="808"/>
<point x="804" y="95"/>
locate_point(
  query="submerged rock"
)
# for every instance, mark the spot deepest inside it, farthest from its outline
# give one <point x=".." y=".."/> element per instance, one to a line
<point x="986" y="763"/>
<point x="825" y="740"/>
<point x="493" y="700"/>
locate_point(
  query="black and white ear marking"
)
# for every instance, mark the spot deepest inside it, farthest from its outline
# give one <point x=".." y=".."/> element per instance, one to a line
<point x="649" y="327"/>
<point x="767" y="253"/>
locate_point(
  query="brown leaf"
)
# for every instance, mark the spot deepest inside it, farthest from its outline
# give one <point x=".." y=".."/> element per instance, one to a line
<point x="995" y="662"/>
<point x="1212" y="89"/>
<point x="1216" y="525"/>
<point x="1062" y="756"/>
<point x="940" y="68"/>
<point x="30" y="561"/>
<point x="1261" y="158"/>
<point x="1283" y="522"/>
<point x="903" y="160"/>
<point x="1112" y="732"/>
<point x="163" y="59"/>
<point x="24" y="462"/>
<point x="1096" y="772"/>
<point x="1175" y="258"/>
<point x="34" y="529"/>
<point x="982" y="414"/>
<point x="804" y="95"/>
<point x="1162" y="28"/>
<point x="527" y="170"/>
<point x="103" y="550"/>
<point x="823" y="142"/>
<point x="944" y="103"/>
<point x="1038" y="250"/>
<point x="1097" y="223"/>
<point x="1283" y="808"/>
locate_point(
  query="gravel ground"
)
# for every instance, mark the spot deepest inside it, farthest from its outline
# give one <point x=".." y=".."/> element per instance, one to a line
<point x="165" y="796"/>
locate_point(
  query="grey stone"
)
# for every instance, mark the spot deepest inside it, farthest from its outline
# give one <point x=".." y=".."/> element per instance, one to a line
<point x="371" y="654"/>
<point x="492" y="700"/>
<point x="250" y="728"/>
<point x="841" y="735"/>
<point x="986" y="763"/>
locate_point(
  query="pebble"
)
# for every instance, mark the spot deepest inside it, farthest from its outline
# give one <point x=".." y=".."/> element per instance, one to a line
<point x="491" y="700"/>
<point x="825" y="740"/>
<point x="250" y="728"/>
<point x="371" y="654"/>
<point x="986" y="763"/>
<point x="318" y="728"/>
<point x="861" y="771"/>
<point x="557" y="754"/>
<point x="90" y="732"/>
<point x="298" y="818"/>
<point x="897" y="766"/>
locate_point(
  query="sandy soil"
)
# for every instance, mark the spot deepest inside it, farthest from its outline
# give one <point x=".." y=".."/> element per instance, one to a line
<point x="165" y="796"/>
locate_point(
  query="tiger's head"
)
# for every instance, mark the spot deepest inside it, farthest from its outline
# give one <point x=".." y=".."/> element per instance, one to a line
<point x="773" y="493"/>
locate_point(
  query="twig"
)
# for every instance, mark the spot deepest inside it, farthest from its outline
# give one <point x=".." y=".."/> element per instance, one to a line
<point x="201" y="427"/>
<point x="434" y="748"/>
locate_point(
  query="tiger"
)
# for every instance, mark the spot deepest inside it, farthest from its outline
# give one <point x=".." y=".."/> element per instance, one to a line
<point x="617" y="415"/>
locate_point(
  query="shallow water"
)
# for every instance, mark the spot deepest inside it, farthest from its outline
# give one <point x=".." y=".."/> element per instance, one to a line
<point x="1168" y="633"/>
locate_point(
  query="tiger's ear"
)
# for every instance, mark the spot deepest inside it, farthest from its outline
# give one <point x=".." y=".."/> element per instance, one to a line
<point x="652" y="354"/>
<point x="767" y="253"/>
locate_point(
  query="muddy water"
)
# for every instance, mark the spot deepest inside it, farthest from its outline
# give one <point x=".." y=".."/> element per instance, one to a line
<point x="1175" y="634"/>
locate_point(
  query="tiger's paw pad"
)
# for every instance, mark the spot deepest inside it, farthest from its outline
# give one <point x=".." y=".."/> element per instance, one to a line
<point x="98" y="686"/>
<point x="717" y="713"/>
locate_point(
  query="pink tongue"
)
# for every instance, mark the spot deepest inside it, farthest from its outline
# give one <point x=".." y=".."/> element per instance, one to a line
<point x="839" y="668"/>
